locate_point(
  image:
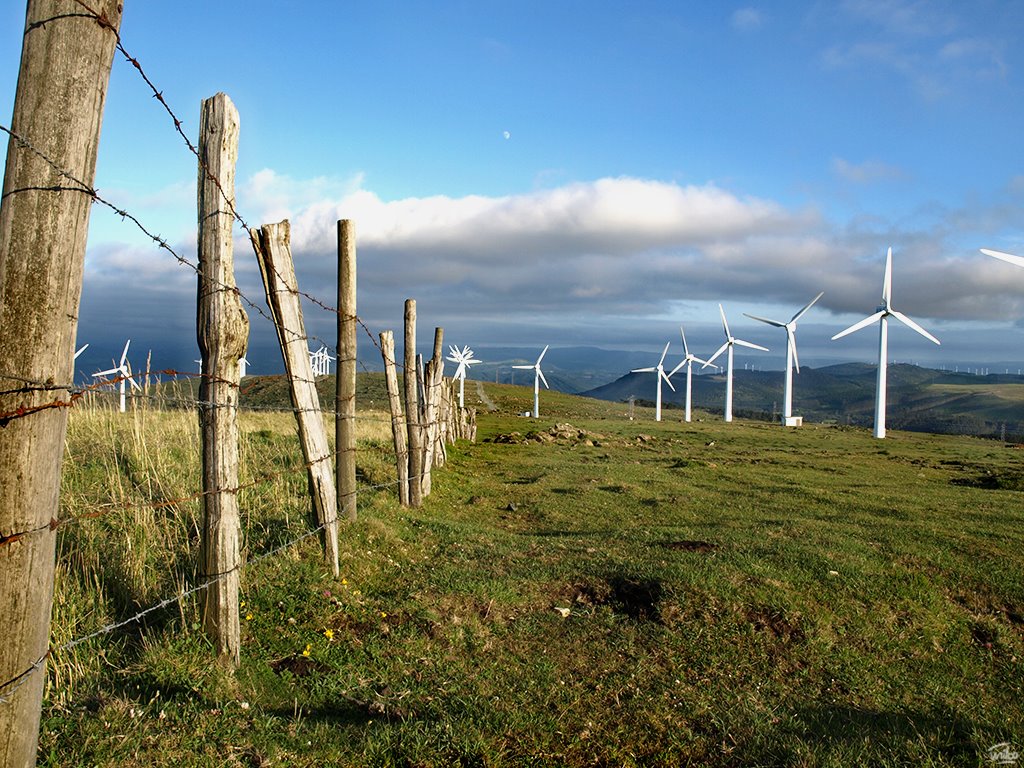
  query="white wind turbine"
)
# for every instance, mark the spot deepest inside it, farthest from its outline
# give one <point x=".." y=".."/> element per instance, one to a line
<point x="123" y="374"/>
<point x="660" y="370"/>
<point x="465" y="359"/>
<point x="538" y="377"/>
<point x="730" y="342"/>
<point x="1018" y="260"/>
<point x="688" y="361"/>
<point x="791" y="357"/>
<point x="882" y="315"/>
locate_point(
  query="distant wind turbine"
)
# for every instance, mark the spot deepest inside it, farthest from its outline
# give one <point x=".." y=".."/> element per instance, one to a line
<point x="538" y="377"/>
<point x="730" y="342"/>
<point x="791" y="356"/>
<point x="688" y="361"/>
<point x="1018" y="260"/>
<point x="660" y="369"/>
<point x="123" y="374"/>
<point x="882" y="315"/>
<point x="465" y="359"/>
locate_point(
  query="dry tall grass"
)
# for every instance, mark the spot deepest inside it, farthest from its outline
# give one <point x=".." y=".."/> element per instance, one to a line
<point x="131" y="498"/>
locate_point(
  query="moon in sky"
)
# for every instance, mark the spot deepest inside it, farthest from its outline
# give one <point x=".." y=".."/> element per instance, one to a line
<point x="507" y="135"/>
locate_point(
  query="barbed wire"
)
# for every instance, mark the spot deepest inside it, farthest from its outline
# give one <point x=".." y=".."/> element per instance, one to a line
<point x="12" y="685"/>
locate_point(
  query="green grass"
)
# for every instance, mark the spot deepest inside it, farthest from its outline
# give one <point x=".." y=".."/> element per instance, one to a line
<point x="623" y="593"/>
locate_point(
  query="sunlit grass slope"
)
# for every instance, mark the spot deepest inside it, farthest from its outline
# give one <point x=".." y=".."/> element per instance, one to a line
<point x="612" y="592"/>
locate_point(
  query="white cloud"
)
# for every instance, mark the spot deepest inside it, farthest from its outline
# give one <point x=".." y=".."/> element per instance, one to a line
<point x="867" y="172"/>
<point x="747" y="18"/>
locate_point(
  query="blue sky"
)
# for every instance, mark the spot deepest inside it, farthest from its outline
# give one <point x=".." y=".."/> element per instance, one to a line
<point x="580" y="172"/>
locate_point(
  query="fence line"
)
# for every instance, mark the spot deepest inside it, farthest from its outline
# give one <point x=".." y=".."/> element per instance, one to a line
<point x="75" y="394"/>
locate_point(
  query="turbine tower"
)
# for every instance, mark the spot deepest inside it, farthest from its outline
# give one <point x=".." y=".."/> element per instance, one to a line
<point x="688" y="361"/>
<point x="791" y="358"/>
<point x="882" y="315"/>
<point x="465" y="359"/>
<point x="730" y="342"/>
<point x="660" y="368"/>
<point x="538" y="377"/>
<point x="1018" y="260"/>
<point x="123" y="374"/>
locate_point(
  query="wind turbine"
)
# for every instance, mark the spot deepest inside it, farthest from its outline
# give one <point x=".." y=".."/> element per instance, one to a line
<point x="791" y="357"/>
<point x="688" y="361"/>
<point x="1018" y="260"/>
<point x="660" y="369"/>
<point x="123" y="374"/>
<point x="465" y="359"/>
<point x="882" y="315"/>
<point x="538" y="377"/>
<point x="730" y="342"/>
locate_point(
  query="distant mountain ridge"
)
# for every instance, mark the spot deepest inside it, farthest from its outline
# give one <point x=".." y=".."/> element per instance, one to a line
<point x="919" y="399"/>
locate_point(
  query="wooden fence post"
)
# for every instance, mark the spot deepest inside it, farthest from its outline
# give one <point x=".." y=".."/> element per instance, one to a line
<point x="412" y="407"/>
<point x="345" y="381"/>
<point x="431" y="410"/>
<point x="272" y="244"/>
<point x="398" y="426"/>
<point x="223" y="334"/>
<point x="44" y="220"/>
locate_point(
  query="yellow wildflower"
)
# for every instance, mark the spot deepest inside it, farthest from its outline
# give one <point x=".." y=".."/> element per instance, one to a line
<point x="329" y="634"/>
<point x="305" y="651"/>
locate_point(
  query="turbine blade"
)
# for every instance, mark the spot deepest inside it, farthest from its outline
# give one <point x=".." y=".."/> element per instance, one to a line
<point x="712" y="359"/>
<point x="81" y="351"/>
<point x="132" y="382"/>
<point x="675" y="370"/>
<point x="541" y="374"/>
<point x="542" y="355"/>
<point x="107" y="373"/>
<point x="750" y="344"/>
<point x="663" y="354"/>
<point x="911" y="324"/>
<point x="1008" y="257"/>
<point x="725" y="323"/>
<point x="125" y="353"/>
<point x="643" y="370"/>
<point x="523" y="367"/>
<point x="887" y="284"/>
<point x="662" y="374"/>
<point x="686" y="349"/>
<point x="695" y="359"/>
<point x="857" y="326"/>
<point x="810" y="304"/>
<point x="776" y="323"/>
<point x="792" y="345"/>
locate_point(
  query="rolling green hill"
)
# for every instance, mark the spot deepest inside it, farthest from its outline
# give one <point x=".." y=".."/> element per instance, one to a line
<point x="919" y="399"/>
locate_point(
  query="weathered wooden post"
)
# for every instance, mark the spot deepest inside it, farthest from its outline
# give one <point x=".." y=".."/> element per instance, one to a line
<point x="44" y="220"/>
<point x="345" y="381"/>
<point x="432" y="372"/>
<point x="398" y="426"/>
<point x="223" y="332"/>
<point x="272" y="244"/>
<point x="412" y="407"/>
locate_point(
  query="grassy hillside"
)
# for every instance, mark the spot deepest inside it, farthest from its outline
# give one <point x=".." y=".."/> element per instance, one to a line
<point x="605" y="593"/>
